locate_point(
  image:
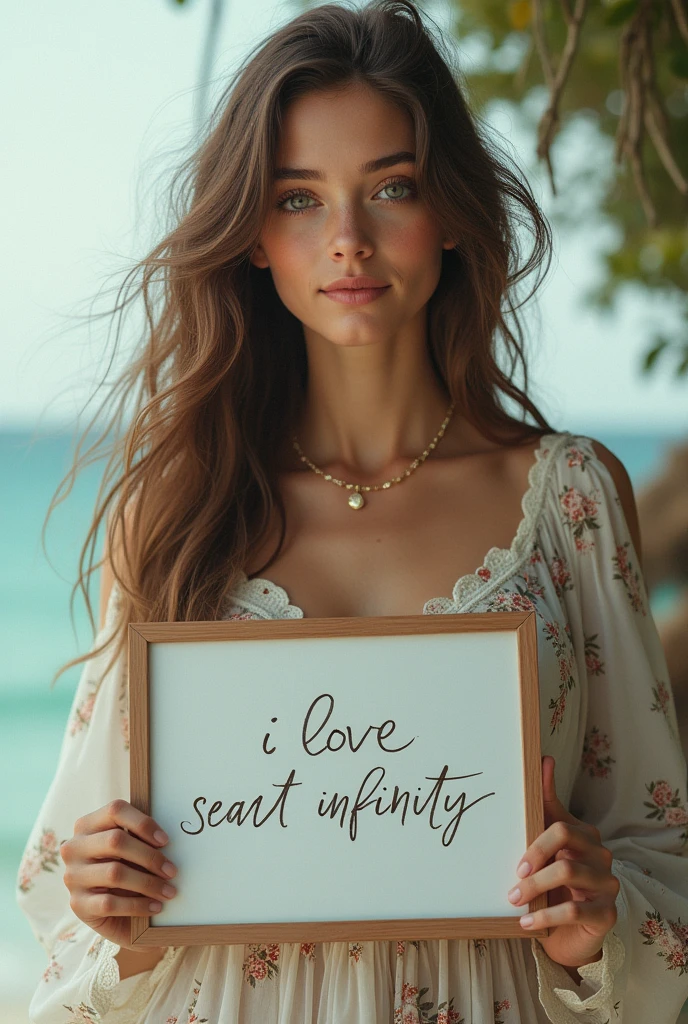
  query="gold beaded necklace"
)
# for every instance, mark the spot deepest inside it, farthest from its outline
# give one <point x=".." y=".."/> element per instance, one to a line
<point x="356" y="499"/>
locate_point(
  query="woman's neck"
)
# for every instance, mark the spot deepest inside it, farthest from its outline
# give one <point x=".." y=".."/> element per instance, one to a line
<point x="366" y="407"/>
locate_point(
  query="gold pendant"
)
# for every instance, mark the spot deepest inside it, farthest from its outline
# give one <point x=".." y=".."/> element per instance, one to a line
<point x="356" y="500"/>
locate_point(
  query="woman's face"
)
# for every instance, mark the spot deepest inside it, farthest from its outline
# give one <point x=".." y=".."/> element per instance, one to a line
<point x="342" y="209"/>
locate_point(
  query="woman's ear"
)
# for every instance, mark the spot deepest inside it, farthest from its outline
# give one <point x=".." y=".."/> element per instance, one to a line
<point x="448" y="245"/>
<point x="258" y="258"/>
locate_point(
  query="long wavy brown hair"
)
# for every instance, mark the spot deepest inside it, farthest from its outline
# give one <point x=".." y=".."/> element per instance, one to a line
<point x="219" y="374"/>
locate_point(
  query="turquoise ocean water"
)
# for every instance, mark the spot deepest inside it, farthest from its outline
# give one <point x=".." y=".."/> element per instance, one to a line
<point x="37" y="637"/>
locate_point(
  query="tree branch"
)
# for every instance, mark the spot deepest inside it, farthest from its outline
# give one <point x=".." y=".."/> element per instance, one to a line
<point x="681" y="18"/>
<point x="549" y="122"/>
<point x="541" y="41"/>
<point x="659" y="141"/>
<point x="643" y="108"/>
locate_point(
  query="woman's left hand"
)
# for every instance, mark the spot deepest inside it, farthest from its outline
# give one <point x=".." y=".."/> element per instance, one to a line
<point x="581" y="889"/>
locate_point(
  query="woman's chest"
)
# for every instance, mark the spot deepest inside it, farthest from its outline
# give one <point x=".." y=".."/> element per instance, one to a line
<point x="397" y="553"/>
<point x="387" y="575"/>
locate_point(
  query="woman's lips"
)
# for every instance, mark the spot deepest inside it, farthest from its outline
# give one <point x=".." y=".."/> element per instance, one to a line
<point x="356" y="296"/>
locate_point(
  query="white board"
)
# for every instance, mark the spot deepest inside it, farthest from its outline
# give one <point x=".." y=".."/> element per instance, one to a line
<point x="454" y="702"/>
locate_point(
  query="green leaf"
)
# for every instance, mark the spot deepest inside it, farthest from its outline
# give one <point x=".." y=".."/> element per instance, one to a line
<point x="651" y="358"/>
<point x="682" y="368"/>
<point x="620" y="12"/>
<point x="679" y="63"/>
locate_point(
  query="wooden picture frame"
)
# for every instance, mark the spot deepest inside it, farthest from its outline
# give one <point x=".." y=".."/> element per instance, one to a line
<point x="365" y="641"/>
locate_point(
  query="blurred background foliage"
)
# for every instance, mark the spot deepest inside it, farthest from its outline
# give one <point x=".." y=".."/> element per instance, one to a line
<point x="621" y="65"/>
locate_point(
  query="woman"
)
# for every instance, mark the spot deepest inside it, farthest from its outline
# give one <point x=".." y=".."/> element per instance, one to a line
<point x="320" y="396"/>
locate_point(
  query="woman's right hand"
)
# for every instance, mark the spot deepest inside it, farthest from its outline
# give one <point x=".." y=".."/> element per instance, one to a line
<point x="113" y="857"/>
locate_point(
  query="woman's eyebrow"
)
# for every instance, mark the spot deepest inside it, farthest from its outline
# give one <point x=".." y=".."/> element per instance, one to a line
<point x="402" y="157"/>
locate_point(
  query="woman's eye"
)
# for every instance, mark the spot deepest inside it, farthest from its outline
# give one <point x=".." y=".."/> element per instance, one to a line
<point x="299" y="202"/>
<point x="395" y="185"/>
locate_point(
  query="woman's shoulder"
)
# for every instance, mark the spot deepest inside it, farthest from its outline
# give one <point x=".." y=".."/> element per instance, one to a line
<point x="582" y="452"/>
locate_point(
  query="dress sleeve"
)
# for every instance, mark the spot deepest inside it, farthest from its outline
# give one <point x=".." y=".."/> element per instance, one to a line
<point x="82" y="976"/>
<point x="631" y="780"/>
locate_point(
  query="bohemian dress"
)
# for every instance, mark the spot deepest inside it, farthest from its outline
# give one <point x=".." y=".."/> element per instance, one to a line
<point x="608" y="718"/>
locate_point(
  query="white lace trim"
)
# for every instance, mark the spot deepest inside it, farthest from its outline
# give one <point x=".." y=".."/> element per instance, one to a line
<point x="558" y="993"/>
<point x="502" y="563"/>
<point x="102" y="988"/>
<point x="556" y="989"/>
<point x="105" y="977"/>
<point x="263" y="598"/>
<point x="267" y="600"/>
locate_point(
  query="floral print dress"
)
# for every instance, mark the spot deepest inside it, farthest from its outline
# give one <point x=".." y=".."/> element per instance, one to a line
<point x="607" y="716"/>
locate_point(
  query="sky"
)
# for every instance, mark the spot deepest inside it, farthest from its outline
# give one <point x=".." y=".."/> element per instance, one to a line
<point x="102" y="104"/>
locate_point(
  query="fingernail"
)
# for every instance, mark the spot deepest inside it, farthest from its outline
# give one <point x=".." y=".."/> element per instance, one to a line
<point x="168" y="869"/>
<point x="523" y="869"/>
<point x="160" y="836"/>
<point x="155" y="906"/>
<point x="514" y="896"/>
<point x="169" y="891"/>
<point x="527" y="920"/>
